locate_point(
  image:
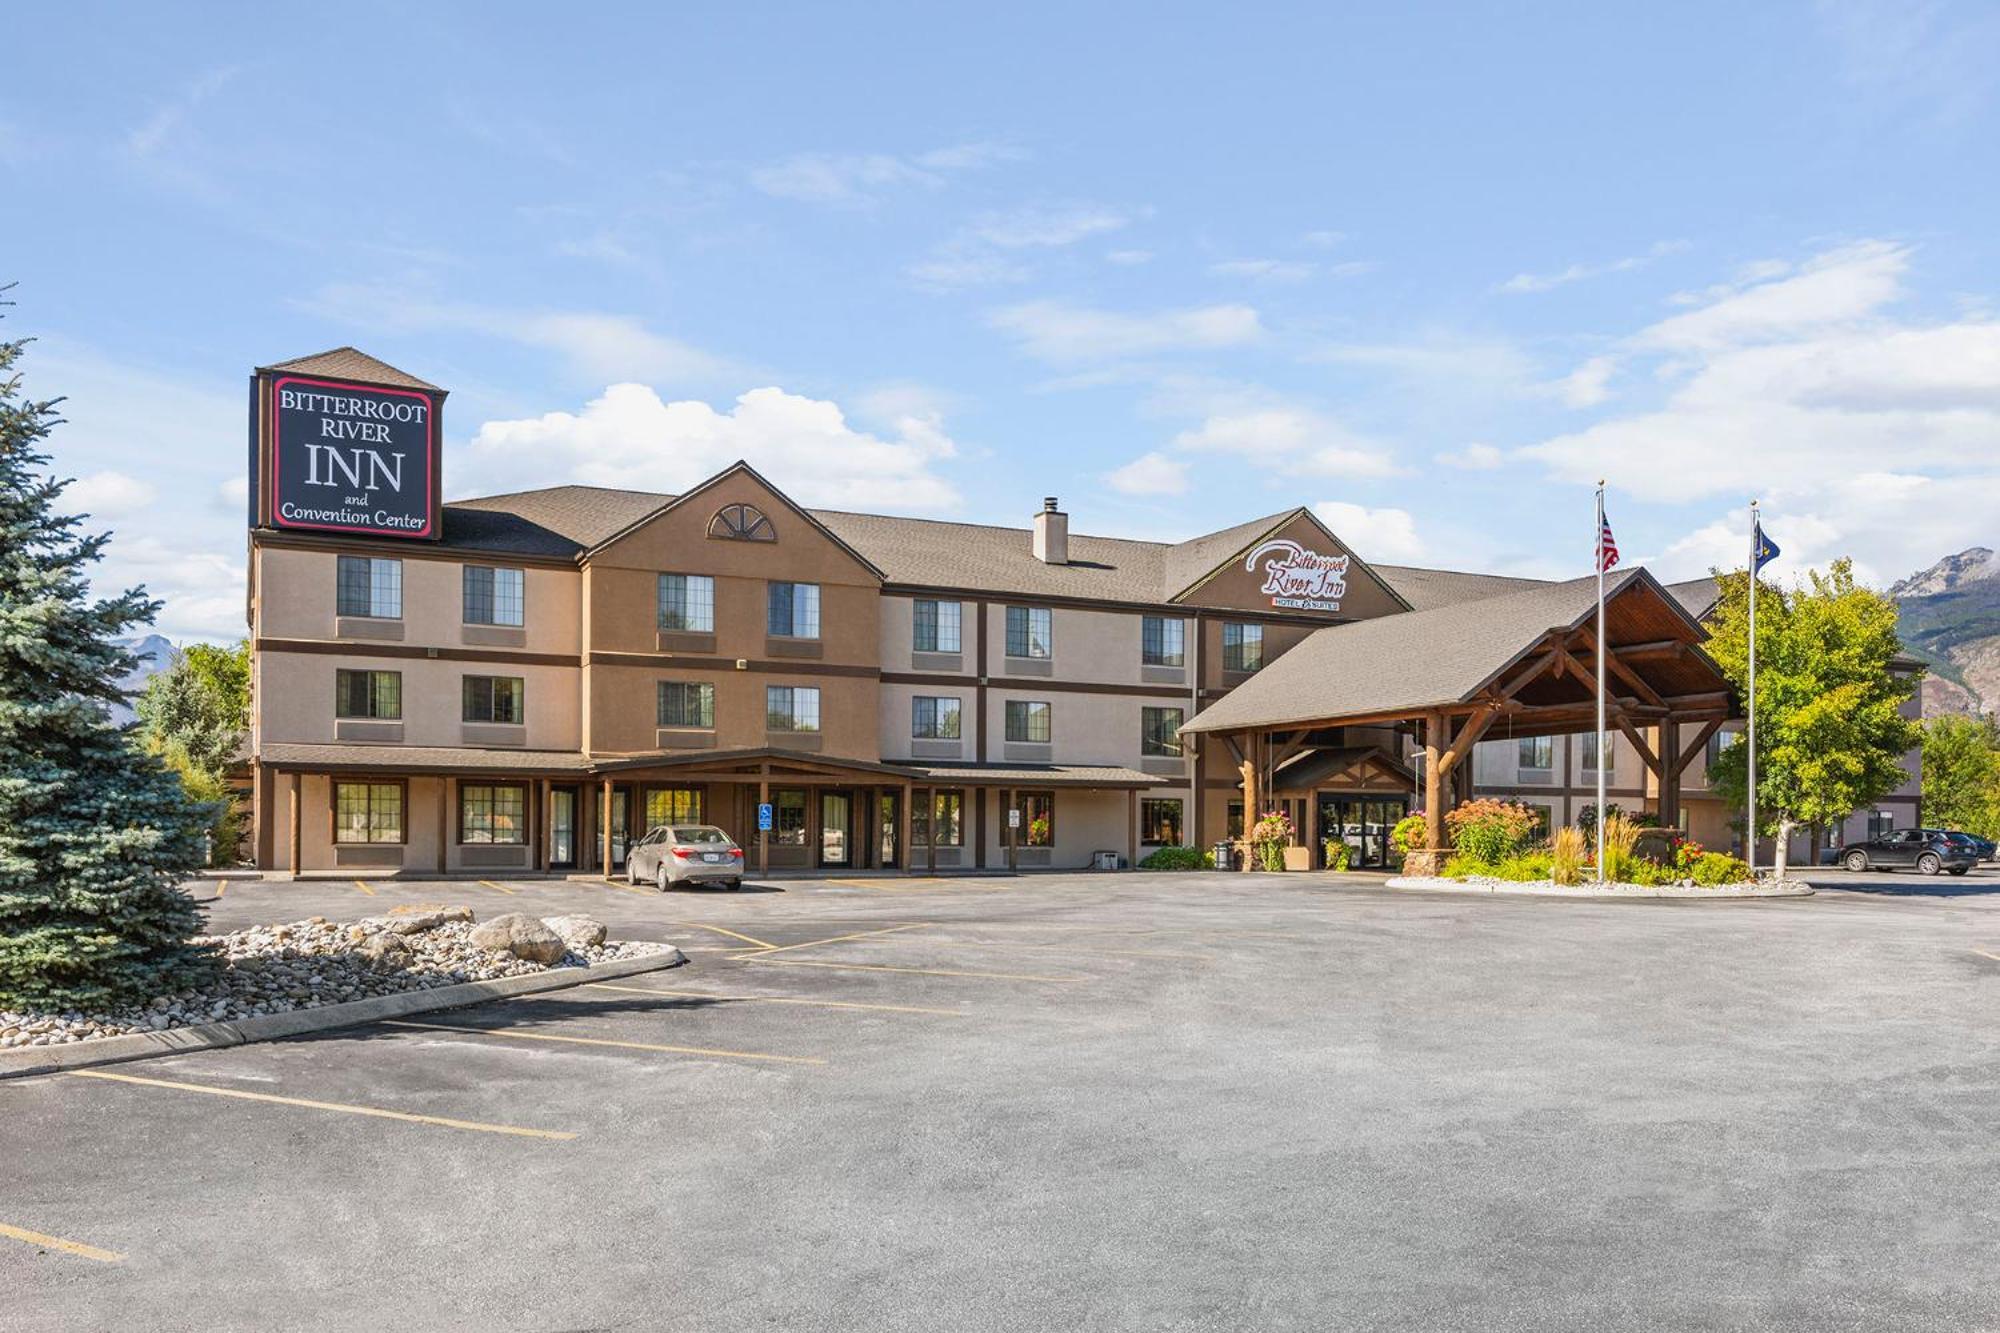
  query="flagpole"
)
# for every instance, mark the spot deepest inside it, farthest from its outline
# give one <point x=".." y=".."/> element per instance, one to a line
<point x="1600" y="680"/>
<point x="1750" y="828"/>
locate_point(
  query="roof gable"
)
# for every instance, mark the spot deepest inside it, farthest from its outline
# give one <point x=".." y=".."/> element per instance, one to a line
<point x="735" y="485"/>
<point x="1294" y="564"/>
<point x="351" y="363"/>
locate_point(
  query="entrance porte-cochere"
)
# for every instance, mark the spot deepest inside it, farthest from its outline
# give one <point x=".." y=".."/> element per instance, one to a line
<point x="1444" y="678"/>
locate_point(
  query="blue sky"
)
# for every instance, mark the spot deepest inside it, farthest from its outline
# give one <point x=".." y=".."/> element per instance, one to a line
<point x="1429" y="269"/>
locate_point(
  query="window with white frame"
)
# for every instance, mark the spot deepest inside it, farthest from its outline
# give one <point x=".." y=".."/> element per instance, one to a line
<point x="494" y="596"/>
<point x="369" y="586"/>
<point x="687" y="603"/>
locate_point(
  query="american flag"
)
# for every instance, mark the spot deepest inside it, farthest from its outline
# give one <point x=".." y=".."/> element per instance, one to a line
<point x="1607" y="545"/>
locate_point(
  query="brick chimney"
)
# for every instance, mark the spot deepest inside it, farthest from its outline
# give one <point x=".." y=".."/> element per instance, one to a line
<point x="1052" y="534"/>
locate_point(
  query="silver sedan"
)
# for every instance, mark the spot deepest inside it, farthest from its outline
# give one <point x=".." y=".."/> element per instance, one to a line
<point x="685" y="854"/>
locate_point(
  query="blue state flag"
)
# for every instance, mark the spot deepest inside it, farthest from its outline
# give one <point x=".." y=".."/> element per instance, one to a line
<point x="1764" y="548"/>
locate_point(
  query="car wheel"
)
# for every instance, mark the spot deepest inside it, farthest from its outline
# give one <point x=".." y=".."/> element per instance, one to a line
<point x="631" y="873"/>
<point x="660" y="877"/>
<point x="1928" y="864"/>
<point x="1960" y="870"/>
<point x="1857" y="861"/>
<point x="736" y="885"/>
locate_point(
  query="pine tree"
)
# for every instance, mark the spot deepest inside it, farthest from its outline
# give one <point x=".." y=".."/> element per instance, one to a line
<point x="95" y="835"/>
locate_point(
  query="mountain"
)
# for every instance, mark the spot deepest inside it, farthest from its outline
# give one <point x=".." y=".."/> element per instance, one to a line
<point x="1949" y="615"/>
<point x="155" y="655"/>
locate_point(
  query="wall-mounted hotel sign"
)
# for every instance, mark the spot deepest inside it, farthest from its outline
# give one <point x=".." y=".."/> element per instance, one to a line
<point x="1297" y="578"/>
<point x="344" y="456"/>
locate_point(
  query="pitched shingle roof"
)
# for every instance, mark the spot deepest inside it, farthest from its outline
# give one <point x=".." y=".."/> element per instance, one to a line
<point x="1427" y="589"/>
<point x="348" y="363"/>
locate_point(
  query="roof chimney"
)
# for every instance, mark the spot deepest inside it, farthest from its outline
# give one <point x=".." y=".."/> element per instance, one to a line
<point x="1052" y="534"/>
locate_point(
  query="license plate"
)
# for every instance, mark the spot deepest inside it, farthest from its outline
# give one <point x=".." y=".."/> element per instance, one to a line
<point x="711" y="856"/>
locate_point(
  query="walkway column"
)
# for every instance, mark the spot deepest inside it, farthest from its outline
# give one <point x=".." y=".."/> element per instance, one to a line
<point x="545" y="797"/>
<point x="298" y="827"/>
<point x="904" y="816"/>
<point x="444" y="832"/>
<point x="1432" y="858"/>
<point x="1131" y="826"/>
<point x="1670" y="773"/>
<point x="604" y="820"/>
<point x="763" y="834"/>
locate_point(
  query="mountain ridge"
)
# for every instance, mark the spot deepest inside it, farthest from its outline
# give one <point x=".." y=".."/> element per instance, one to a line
<point x="1949" y="616"/>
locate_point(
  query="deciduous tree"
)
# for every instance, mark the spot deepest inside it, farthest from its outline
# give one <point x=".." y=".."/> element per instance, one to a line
<point x="1962" y="774"/>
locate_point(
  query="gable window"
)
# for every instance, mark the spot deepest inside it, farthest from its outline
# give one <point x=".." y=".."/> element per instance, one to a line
<point x="741" y="523"/>
<point x="933" y="718"/>
<point x="687" y="602"/>
<point x="1590" y="755"/>
<point x="935" y="626"/>
<point x="1537" y="755"/>
<point x="369" y="586"/>
<point x="369" y="694"/>
<point x="495" y="699"/>
<point x="1029" y="721"/>
<point x="1030" y="631"/>
<point x="1161" y="641"/>
<point x="1242" y="647"/>
<point x="494" y="596"/>
<point x="1160" y="732"/>
<point x="493" y="812"/>
<point x="791" y="707"/>
<point x="367" y="812"/>
<point x="792" y="611"/>
<point x="686" y="703"/>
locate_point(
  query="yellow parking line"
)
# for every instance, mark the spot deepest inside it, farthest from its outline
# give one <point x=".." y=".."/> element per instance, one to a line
<point x="350" y="1109"/>
<point x="777" y="999"/>
<point x="75" y="1247"/>
<point x="1983" y="954"/>
<point x="857" y="935"/>
<point x="606" y="1041"/>
<point x="220" y="885"/>
<point x="364" y="888"/>
<point x="723" y="930"/>
<point x="883" y="967"/>
<point x="487" y="883"/>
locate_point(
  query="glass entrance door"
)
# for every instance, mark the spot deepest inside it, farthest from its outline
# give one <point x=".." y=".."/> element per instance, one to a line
<point x="562" y="828"/>
<point x="621" y="814"/>
<point x="1364" y="824"/>
<point x="888" y="822"/>
<point x="836" y="820"/>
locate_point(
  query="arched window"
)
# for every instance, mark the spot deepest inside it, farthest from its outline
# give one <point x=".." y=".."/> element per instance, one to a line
<point x="741" y="523"/>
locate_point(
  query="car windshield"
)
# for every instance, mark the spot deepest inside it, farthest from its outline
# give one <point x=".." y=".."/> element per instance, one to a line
<point x="703" y="837"/>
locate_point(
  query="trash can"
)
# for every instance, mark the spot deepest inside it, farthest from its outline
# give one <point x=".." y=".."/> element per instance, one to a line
<point x="1225" y="855"/>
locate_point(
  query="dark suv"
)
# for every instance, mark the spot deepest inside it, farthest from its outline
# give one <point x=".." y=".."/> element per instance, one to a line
<point x="1926" y="850"/>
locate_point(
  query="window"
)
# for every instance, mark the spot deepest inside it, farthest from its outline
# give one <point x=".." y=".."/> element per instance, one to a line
<point x="372" y="694"/>
<point x="1717" y="743"/>
<point x="687" y="602"/>
<point x="1232" y="822"/>
<point x="793" y="611"/>
<point x="788" y="817"/>
<point x="1160" y="732"/>
<point x="1038" y="818"/>
<point x="1880" y="824"/>
<point x="1028" y="721"/>
<point x="494" y="596"/>
<point x="673" y="805"/>
<point x="1590" y="754"/>
<point x="1159" y="822"/>
<point x="495" y="699"/>
<point x="493" y="813"/>
<point x="1030" y="631"/>
<point x="934" y="719"/>
<point x="1537" y="754"/>
<point x="935" y="627"/>
<point x="367" y="812"/>
<point x="686" y="703"/>
<point x="791" y="707"/>
<point x="741" y="523"/>
<point x="1161" y="642"/>
<point x="370" y="587"/>
<point x="1242" y="647"/>
<point x="947" y="815"/>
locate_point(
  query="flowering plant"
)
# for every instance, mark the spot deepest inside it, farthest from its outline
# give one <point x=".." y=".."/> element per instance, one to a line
<point x="1271" y="834"/>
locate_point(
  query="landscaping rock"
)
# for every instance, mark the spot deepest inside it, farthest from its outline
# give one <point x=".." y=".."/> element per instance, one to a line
<point x="522" y="935"/>
<point x="416" y="918"/>
<point x="578" y="932"/>
<point x="385" y="950"/>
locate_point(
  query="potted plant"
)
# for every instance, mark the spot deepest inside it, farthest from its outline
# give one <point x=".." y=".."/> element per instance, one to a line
<point x="1337" y="854"/>
<point x="1270" y="837"/>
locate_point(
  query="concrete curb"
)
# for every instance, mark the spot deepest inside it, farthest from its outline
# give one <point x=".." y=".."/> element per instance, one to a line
<point x="22" y="1062"/>
<point x="1428" y="885"/>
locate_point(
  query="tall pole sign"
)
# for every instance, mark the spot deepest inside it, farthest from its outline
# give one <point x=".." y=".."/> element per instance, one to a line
<point x="345" y="456"/>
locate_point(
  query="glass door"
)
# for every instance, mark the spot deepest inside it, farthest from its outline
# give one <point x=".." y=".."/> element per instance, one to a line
<point x="888" y="821"/>
<point x="836" y="811"/>
<point x="621" y="813"/>
<point x="562" y="828"/>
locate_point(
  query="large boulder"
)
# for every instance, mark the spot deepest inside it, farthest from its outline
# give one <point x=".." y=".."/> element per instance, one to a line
<point x="386" y="950"/>
<point x="522" y="935"/>
<point x="578" y="932"/>
<point x="415" y="918"/>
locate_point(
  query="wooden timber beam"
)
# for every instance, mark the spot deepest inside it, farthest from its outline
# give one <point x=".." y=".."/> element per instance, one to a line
<point x="1694" y="745"/>
<point x="1666" y="648"/>
<point x="1617" y="668"/>
<point x="1468" y="736"/>
<point x="1531" y="671"/>
<point x="1288" y="747"/>
<point x="1646" y="755"/>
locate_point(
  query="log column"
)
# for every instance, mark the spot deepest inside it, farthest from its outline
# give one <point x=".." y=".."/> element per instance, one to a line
<point x="1434" y="854"/>
<point x="604" y="823"/>
<point x="297" y="832"/>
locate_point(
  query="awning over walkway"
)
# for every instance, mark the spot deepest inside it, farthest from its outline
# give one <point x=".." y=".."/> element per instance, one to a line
<point x="1035" y="775"/>
<point x="302" y="757"/>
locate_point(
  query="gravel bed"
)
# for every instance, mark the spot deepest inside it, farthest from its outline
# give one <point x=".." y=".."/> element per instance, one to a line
<point x="313" y="963"/>
<point x="1763" y="888"/>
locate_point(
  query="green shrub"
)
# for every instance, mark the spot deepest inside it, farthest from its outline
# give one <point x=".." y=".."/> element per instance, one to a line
<point x="1179" y="858"/>
<point x="1526" y="867"/>
<point x="1648" y="874"/>
<point x="1713" y="868"/>
<point x="1491" y="831"/>
<point x="1410" y="833"/>
<point x="1569" y="853"/>
<point x="1468" y="867"/>
<point x="1339" y="856"/>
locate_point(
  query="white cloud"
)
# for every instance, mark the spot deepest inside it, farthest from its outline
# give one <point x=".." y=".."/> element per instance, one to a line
<point x="629" y="436"/>
<point x="1150" y="474"/>
<point x="169" y="117"/>
<point x="1323" y="239"/>
<point x="1474" y="458"/>
<point x="1265" y="270"/>
<point x="1589" y="384"/>
<point x="1055" y="331"/>
<point x="1306" y="441"/>
<point x="1045" y="227"/>
<point x="858" y="179"/>
<point x="109" y="494"/>
<point x="1128" y="258"/>
<point x="988" y="251"/>
<point x="1448" y="358"/>
<point x="1836" y="287"/>
<point x="1375" y="534"/>
<point x="1542" y="282"/>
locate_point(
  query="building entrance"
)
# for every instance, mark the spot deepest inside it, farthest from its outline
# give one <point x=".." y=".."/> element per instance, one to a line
<point x="1363" y="823"/>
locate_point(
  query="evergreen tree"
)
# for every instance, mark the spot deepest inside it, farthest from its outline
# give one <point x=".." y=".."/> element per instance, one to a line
<point x="95" y="835"/>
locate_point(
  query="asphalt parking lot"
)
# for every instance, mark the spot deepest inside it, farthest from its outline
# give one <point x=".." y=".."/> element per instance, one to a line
<point x="1117" y="1101"/>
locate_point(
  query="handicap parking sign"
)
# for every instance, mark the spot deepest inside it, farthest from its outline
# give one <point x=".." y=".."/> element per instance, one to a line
<point x="764" y="817"/>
